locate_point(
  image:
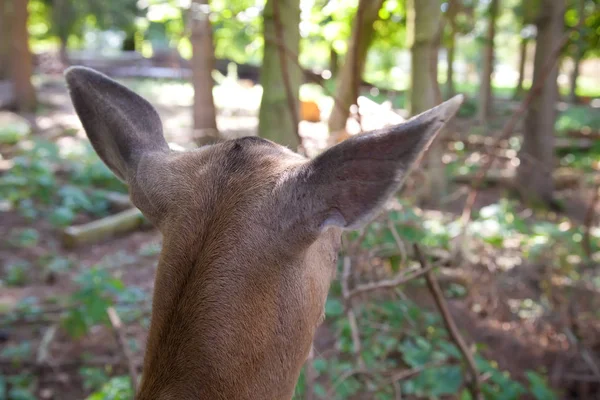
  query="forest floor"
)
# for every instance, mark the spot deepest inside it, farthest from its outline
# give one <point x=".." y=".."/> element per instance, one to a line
<point x="528" y="312"/>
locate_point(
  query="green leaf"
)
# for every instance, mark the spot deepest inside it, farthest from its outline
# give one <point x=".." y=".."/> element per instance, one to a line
<point x="334" y="307"/>
<point x="61" y="216"/>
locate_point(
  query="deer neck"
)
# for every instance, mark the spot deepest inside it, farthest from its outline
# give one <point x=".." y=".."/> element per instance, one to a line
<point x="223" y="330"/>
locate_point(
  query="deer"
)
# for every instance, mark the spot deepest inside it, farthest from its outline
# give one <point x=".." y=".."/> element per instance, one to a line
<point x="250" y="231"/>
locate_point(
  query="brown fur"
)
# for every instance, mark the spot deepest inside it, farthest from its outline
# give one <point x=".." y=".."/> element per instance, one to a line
<point x="237" y="298"/>
<point x="251" y="235"/>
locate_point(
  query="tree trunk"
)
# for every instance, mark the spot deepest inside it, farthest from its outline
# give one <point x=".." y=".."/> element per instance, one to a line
<point x="423" y="31"/>
<point x="20" y="58"/>
<point x="450" y="90"/>
<point x="205" y="124"/>
<point x="350" y="75"/>
<point x="280" y="74"/>
<point x="485" y="93"/>
<point x="574" y="76"/>
<point x="334" y="62"/>
<point x="578" y="54"/>
<point x="522" y="61"/>
<point x="63" y="53"/>
<point x="4" y="39"/>
<point x="537" y="153"/>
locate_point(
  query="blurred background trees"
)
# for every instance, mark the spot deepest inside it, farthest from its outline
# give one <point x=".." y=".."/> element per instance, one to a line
<point x="506" y="201"/>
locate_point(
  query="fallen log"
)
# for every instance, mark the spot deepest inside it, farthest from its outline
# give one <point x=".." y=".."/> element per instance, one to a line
<point x="95" y="231"/>
<point x="563" y="178"/>
<point x="584" y="133"/>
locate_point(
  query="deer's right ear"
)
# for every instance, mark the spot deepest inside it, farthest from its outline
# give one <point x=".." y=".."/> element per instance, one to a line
<point x="121" y="125"/>
<point x="348" y="184"/>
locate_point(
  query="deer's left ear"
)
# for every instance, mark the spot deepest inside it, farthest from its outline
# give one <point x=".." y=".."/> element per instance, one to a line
<point x="121" y="125"/>
<point x="349" y="183"/>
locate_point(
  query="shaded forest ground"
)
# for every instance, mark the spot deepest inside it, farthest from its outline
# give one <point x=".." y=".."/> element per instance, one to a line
<point x="531" y="308"/>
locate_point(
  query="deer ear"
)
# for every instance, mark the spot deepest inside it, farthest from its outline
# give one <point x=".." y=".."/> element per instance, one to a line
<point x="349" y="183"/>
<point x="121" y="125"/>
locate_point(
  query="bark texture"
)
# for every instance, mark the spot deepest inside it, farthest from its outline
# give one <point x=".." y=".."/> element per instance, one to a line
<point x="424" y="30"/>
<point x="350" y="74"/>
<point x="4" y="39"/>
<point x="537" y="153"/>
<point x="276" y="121"/>
<point x="21" y="61"/>
<point x="487" y="70"/>
<point x="205" y="122"/>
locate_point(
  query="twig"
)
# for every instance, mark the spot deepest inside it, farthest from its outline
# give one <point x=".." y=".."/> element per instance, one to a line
<point x="406" y="374"/>
<point x="43" y="352"/>
<point x="117" y="325"/>
<point x="399" y="242"/>
<point x="346" y="294"/>
<point x="389" y="283"/>
<point x="504" y="134"/>
<point x="438" y="296"/>
<point x="589" y="220"/>
<point x="400" y="376"/>
<point x="343" y="377"/>
<point x="286" y="77"/>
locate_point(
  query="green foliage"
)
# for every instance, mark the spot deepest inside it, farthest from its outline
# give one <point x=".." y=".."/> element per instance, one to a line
<point x="539" y="387"/>
<point x="118" y="388"/>
<point x="400" y="336"/>
<point x="577" y="118"/>
<point x="21" y="387"/>
<point x="97" y="291"/>
<point x="584" y="40"/>
<point x="93" y="378"/>
<point x="12" y="133"/>
<point x="35" y="188"/>
<point x="17" y="273"/>
<point x="25" y="237"/>
<point x="17" y="352"/>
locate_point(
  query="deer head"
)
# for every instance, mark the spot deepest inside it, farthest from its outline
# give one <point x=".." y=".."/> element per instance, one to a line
<point x="251" y="232"/>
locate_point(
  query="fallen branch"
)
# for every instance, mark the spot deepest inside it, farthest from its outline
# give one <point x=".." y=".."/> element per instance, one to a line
<point x="453" y="331"/>
<point x="117" y="326"/>
<point x="563" y="179"/>
<point x="95" y="231"/>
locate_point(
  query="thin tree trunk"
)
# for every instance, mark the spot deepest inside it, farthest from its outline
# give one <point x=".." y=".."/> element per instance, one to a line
<point x="276" y="118"/>
<point x="574" y="76"/>
<point x="4" y="39"/>
<point x="350" y="75"/>
<point x="522" y="61"/>
<point x="205" y="123"/>
<point x="537" y="153"/>
<point x="578" y="55"/>
<point x="20" y="58"/>
<point x="485" y="93"/>
<point x="334" y="62"/>
<point x="451" y="51"/>
<point x="423" y="28"/>
<point x="63" y="53"/>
